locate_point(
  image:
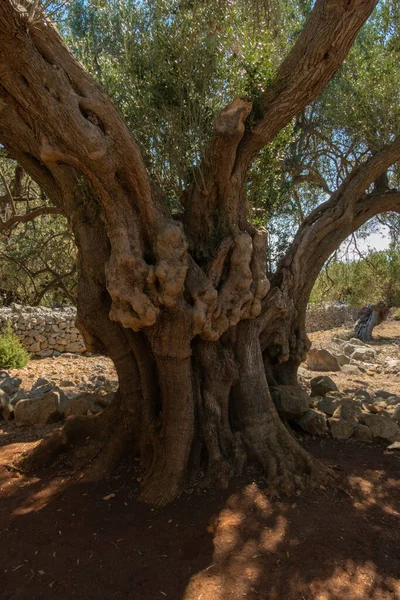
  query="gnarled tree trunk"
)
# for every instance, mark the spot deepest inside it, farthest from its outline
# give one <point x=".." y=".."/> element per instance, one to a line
<point x="184" y="309"/>
<point x="370" y="316"/>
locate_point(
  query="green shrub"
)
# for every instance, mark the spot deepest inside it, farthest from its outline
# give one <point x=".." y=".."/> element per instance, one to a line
<point x="397" y="315"/>
<point x="12" y="354"/>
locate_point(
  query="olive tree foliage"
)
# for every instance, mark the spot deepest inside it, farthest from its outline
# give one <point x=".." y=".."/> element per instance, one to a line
<point x="37" y="253"/>
<point x="171" y="66"/>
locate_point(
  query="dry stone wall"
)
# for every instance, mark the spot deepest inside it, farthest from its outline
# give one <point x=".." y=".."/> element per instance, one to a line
<point x="328" y="316"/>
<point x="44" y="331"/>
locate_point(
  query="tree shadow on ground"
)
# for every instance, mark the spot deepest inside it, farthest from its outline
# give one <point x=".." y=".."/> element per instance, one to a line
<point x="75" y="541"/>
<point x="337" y="544"/>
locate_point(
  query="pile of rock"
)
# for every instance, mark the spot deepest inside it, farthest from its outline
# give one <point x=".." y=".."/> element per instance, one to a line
<point x="47" y="402"/>
<point x="357" y="413"/>
<point x="44" y="331"/>
<point x="352" y="413"/>
<point x="353" y="357"/>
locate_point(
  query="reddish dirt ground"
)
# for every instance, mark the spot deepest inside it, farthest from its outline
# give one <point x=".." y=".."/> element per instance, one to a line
<point x="60" y="539"/>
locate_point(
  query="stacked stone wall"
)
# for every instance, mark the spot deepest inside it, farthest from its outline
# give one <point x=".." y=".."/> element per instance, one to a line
<point x="44" y="331"/>
<point x="329" y="316"/>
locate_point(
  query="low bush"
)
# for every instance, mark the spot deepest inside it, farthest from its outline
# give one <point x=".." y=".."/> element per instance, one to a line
<point x="12" y="354"/>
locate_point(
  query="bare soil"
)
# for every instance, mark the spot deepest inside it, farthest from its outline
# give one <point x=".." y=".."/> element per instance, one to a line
<point x="61" y="538"/>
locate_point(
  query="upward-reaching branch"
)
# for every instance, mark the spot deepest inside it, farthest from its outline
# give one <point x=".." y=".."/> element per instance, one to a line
<point x="312" y="62"/>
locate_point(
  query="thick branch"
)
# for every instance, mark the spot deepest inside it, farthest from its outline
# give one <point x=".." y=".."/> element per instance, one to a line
<point x="30" y="216"/>
<point x="314" y="59"/>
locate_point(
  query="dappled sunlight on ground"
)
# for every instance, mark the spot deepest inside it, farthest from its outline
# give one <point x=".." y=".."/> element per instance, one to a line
<point x="96" y="541"/>
<point x="339" y="545"/>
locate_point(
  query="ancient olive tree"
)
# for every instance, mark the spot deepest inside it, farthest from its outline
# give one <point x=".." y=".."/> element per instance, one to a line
<point x="181" y="303"/>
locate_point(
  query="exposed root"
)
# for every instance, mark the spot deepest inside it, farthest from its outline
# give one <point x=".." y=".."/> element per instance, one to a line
<point x="218" y="474"/>
<point x="95" y="442"/>
<point x="287" y="466"/>
<point x="161" y="486"/>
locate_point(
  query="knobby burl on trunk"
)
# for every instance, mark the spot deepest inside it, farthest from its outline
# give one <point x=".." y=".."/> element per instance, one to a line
<point x="183" y="308"/>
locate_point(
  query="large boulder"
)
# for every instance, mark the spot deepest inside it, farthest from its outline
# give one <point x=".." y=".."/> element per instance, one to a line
<point x="314" y="422"/>
<point x="88" y="403"/>
<point x="340" y="429"/>
<point x="39" y="411"/>
<point x="291" y="401"/>
<point x="321" y="385"/>
<point x="322" y="360"/>
<point x="382" y="426"/>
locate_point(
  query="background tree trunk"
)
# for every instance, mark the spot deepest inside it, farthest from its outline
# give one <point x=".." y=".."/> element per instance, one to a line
<point x="370" y="316"/>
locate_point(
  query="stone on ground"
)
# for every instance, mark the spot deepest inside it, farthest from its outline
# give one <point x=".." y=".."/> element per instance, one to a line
<point x="362" y="433"/>
<point x="340" y="429"/>
<point x="88" y="403"/>
<point x="382" y="426"/>
<point x="322" y="360"/>
<point x="321" y="385"/>
<point x="291" y="401"/>
<point x="39" y="411"/>
<point x="314" y="422"/>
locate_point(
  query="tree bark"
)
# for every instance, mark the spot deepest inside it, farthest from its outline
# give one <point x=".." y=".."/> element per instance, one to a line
<point x="184" y="310"/>
<point x="370" y="316"/>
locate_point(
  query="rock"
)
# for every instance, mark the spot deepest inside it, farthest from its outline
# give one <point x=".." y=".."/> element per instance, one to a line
<point x="396" y="414"/>
<point x="321" y="385"/>
<point x="383" y="394"/>
<point x="10" y="385"/>
<point x="35" y="347"/>
<point x="291" y="401"/>
<point x="351" y="370"/>
<point x="393" y="364"/>
<point x="374" y="408"/>
<point x="85" y="402"/>
<point x="4" y="403"/>
<point x="340" y="429"/>
<point x="3" y="374"/>
<point x="42" y="381"/>
<point x="314" y="422"/>
<point x="39" y="411"/>
<point x="363" y="354"/>
<point x="348" y="349"/>
<point x="394" y="446"/>
<point x="66" y="383"/>
<point x="328" y="405"/>
<point x="322" y="360"/>
<point x="342" y="359"/>
<point x="393" y="400"/>
<point x="357" y="342"/>
<point x="348" y="410"/>
<point x="381" y="426"/>
<point x="358" y="392"/>
<point x="362" y="433"/>
<point x="37" y="392"/>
